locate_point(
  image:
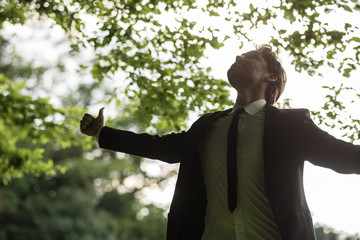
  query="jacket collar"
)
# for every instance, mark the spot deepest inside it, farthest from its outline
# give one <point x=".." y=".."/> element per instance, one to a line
<point x="251" y="108"/>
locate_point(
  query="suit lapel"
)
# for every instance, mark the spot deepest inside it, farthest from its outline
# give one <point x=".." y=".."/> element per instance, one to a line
<point x="270" y="128"/>
<point x="269" y="140"/>
<point x="205" y="122"/>
<point x="213" y="117"/>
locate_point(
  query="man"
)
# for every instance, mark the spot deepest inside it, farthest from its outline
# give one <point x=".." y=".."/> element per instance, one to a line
<point x="241" y="170"/>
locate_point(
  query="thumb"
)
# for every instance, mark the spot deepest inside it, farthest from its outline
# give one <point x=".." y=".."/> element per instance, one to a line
<point x="100" y="117"/>
<point x="101" y="112"/>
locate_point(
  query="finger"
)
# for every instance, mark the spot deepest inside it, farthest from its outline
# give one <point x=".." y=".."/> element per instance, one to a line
<point x="83" y="126"/>
<point x="86" y="122"/>
<point x="83" y="130"/>
<point x="87" y="119"/>
<point x="88" y="115"/>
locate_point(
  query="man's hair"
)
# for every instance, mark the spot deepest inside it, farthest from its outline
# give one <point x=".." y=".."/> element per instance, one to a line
<point x="274" y="89"/>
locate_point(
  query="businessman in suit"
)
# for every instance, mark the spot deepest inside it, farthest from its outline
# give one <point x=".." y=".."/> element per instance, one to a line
<point x="241" y="170"/>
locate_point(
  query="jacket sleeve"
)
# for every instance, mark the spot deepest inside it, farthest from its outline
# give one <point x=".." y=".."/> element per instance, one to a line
<point x="322" y="149"/>
<point x="167" y="148"/>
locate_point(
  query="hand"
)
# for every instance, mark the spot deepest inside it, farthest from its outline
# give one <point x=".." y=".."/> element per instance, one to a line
<point x="90" y="125"/>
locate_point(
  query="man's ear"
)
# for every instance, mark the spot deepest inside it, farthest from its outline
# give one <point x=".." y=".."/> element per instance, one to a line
<point x="271" y="77"/>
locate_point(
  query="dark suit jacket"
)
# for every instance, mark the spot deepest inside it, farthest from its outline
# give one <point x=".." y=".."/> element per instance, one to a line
<point x="290" y="138"/>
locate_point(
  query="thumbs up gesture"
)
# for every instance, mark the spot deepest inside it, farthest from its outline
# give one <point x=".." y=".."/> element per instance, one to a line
<point x="90" y="125"/>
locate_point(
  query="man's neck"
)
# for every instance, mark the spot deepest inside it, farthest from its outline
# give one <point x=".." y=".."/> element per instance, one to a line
<point x="246" y="98"/>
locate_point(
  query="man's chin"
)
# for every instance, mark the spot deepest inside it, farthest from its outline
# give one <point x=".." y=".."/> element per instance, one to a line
<point x="234" y="81"/>
<point x="235" y="72"/>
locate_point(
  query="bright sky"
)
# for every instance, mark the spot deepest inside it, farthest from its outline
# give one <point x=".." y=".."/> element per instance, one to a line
<point x="333" y="198"/>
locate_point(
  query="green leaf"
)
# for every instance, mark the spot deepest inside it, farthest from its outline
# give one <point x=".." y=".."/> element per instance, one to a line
<point x="346" y="8"/>
<point x="354" y="39"/>
<point x="213" y="13"/>
<point x="251" y="6"/>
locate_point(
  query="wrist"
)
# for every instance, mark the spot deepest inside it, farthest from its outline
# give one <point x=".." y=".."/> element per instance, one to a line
<point x="98" y="133"/>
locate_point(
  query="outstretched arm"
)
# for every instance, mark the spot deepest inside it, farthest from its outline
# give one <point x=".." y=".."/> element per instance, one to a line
<point x="168" y="148"/>
<point x="325" y="150"/>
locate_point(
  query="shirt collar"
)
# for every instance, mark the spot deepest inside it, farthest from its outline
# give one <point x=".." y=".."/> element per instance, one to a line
<point x="251" y="108"/>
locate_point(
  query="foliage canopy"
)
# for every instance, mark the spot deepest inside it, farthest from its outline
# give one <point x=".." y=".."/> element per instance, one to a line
<point x="153" y="49"/>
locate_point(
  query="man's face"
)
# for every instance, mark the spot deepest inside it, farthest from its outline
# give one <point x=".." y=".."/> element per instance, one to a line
<point x="249" y="70"/>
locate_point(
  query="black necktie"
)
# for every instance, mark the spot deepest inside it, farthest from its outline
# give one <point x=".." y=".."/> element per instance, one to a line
<point x="231" y="160"/>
